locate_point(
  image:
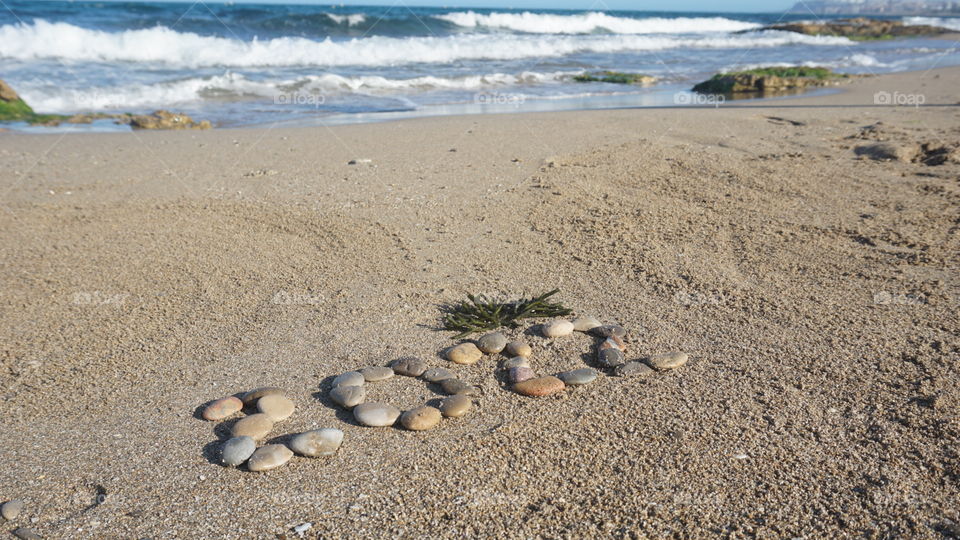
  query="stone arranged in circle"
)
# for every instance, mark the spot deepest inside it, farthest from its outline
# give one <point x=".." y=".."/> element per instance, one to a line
<point x="350" y="378"/>
<point x="557" y="328"/>
<point x="222" y="408"/>
<point x="269" y="457"/>
<point x="436" y="374"/>
<point x="252" y="396"/>
<point x="456" y="386"/>
<point x="24" y="533"/>
<point x="316" y="443"/>
<point x="585" y="323"/>
<point x="237" y="450"/>
<point x="409" y="367"/>
<point x="519" y="348"/>
<point x="520" y="374"/>
<point x="348" y="397"/>
<point x="578" y="377"/>
<point x="633" y="369"/>
<point x="421" y="419"/>
<point x="455" y="406"/>
<point x="276" y="406"/>
<point x="541" y="386"/>
<point x="376" y="414"/>
<point x="464" y="354"/>
<point x="492" y="343"/>
<point x="670" y="360"/>
<point x="255" y="426"/>
<point x="613" y="342"/>
<point x="376" y="373"/>
<point x="11" y="509"/>
<point x="608" y="330"/>
<point x="610" y="358"/>
<point x="516" y="361"/>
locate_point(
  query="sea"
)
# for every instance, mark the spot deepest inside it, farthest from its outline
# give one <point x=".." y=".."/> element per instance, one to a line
<point x="249" y="64"/>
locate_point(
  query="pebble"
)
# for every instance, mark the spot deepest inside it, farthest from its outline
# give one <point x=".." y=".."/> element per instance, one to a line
<point x="578" y="377"/>
<point x="376" y="373"/>
<point x="456" y="386"/>
<point x="610" y="358"/>
<point x="252" y="396"/>
<point x="633" y="369"/>
<point x="302" y="528"/>
<point x="464" y="354"/>
<point x="319" y="442"/>
<point x="269" y="457"/>
<point x="350" y="378"/>
<point x="585" y="323"/>
<point x="557" y="328"/>
<point x="376" y="414"/>
<point x="541" y="386"/>
<point x="608" y="330"/>
<point x="421" y="419"/>
<point x="237" y="450"/>
<point x="409" y="367"/>
<point x="275" y="406"/>
<point x="348" y="397"/>
<point x="516" y="361"/>
<point x="520" y="374"/>
<point x="24" y="533"/>
<point x="255" y="426"/>
<point x="11" y="509"/>
<point x="492" y="343"/>
<point x="519" y="348"/>
<point x="613" y="342"/>
<point x="222" y="408"/>
<point x="670" y="360"/>
<point x="455" y="406"/>
<point x="436" y="374"/>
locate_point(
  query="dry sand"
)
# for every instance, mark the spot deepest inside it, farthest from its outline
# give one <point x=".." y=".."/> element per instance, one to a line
<point x="815" y="290"/>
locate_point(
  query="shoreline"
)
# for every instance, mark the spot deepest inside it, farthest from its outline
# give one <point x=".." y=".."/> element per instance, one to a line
<point x="813" y="286"/>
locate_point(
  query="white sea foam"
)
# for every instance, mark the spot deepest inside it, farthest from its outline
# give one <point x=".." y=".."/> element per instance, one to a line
<point x="163" y="45"/>
<point x="953" y="23"/>
<point x="351" y="20"/>
<point x="585" y="23"/>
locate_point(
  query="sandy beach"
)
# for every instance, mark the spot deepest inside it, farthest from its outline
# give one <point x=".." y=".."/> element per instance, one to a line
<point x="815" y="289"/>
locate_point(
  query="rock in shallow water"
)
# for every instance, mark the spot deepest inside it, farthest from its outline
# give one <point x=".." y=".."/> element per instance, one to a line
<point x="11" y="509"/>
<point x="348" y="397"/>
<point x="421" y="419"/>
<point x="409" y="367"/>
<point x="557" y="328"/>
<point x="256" y="426"/>
<point x="610" y="358"/>
<point x="578" y="377"/>
<point x="275" y="406"/>
<point x="633" y="369"/>
<point x="541" y="386"/>
<point x="465" y="354"/>
<point x="252" y="396"/>
<point x="350" y="378"/>
<point x="436" y="374"/>
<point x="376" y="414"/>
<point x="269" y="457"/>
<point x="319" y="442"/>
<point x="376" y="373"/>
<point x="516" y="361"/>
<point x="455" y="406"/>
<point x="237" y="450"/>
<point x="456" y="386"/>
<point x="670" y="360"/>
<point x="520" y="374"/>
<point x="519" y="348"/>
<point x="222" y="408"/>
<point x="585" y="323"/>
<point x="492" y="343"/>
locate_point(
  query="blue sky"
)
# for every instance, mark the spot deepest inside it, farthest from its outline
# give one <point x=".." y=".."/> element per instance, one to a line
<point x="756" y="6"/>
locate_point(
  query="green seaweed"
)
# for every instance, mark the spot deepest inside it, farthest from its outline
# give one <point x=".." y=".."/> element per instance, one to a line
<point x="725" y="83"/>
<point x="481" y="313"/>
<point x="17" y="110"/>
<point x="615" y="77"/>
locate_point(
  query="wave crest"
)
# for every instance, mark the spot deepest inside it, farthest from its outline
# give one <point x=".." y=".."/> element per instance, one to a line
<point x="586" y="23"/>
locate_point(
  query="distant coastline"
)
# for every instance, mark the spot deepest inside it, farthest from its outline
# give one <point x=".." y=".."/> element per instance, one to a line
<point x="878" y="8"/>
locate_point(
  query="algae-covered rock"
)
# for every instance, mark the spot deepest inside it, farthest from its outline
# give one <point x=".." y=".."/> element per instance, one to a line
<point x="616" y="77"/>
<point x="859" y="29"/>
<point x="166" y="120"/>
<point x="768" y="80"/>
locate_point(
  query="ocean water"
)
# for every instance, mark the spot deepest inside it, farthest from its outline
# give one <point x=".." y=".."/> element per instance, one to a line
<point x="250" y="64"/>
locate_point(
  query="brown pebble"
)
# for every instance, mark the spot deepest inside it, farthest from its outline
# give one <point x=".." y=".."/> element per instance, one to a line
<point x="222" y="408"/>
<point x="670" y="360"/>
<point x="456" y="386"/>
<point x="541" y="386"/>
<point x="276" y="406"/>
<point x="456" y="406"/>
<point x="519" y="348"/>
<point x="252" y="396"/>
<point x="465" y="354"/>
<point x="255" y="426"/>
<point x="421" y="419"/>
<point x="269" y="457"/>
